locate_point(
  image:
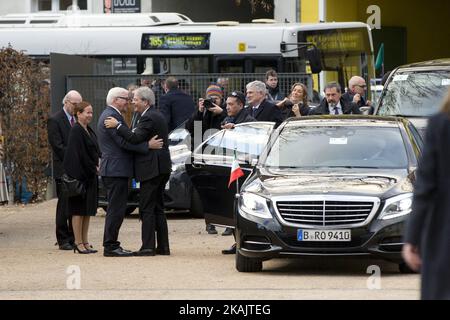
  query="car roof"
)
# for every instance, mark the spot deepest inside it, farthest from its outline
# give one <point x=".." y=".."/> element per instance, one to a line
<point x="347" y="120"/>
<point x="427" y="65"/>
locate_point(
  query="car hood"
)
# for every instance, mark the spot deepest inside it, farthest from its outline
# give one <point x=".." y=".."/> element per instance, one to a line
<point x="369" y="183"/>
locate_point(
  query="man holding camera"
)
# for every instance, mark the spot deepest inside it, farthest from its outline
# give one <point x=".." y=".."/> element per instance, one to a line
<point x="209" y="115"/>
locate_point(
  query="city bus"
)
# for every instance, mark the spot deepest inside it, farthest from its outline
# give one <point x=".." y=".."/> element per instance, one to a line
<point x="171" y="43"/>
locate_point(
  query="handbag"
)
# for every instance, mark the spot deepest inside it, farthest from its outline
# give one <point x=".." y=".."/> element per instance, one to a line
<point x="72" y="187"/>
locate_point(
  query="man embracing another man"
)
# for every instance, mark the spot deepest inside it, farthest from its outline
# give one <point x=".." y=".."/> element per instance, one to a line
<point x="152" y="170"/>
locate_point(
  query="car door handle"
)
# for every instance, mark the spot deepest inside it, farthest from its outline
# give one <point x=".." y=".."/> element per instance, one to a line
<point x="197" y="165"/>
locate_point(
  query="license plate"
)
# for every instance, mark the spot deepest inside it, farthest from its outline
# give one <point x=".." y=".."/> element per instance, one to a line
<point x="324" y="235"/>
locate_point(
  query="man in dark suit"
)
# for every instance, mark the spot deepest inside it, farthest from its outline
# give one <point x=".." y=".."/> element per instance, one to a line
<point x="116" y="166"/>
<point x="333" y="104"/>
<point x="175" y="105"/>
<point x="58" y="128"/>
<point x="152" y="170"/>
<point x="356" y="94"/>
<point x="427" y="233"/>
<point x="259" y="107"/>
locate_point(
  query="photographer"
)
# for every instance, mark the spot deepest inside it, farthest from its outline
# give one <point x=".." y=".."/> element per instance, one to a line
<point x="210" y="112"/>
<point x="209" y="115"/>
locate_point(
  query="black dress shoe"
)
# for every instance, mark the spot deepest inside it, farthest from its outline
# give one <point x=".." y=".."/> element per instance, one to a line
<point x="232" y="250"/>
<point x="145" y="252"/>
<point x="119" y="252"/>
<point x="211" y="229"/>
<point x="66" y="246"/>
<point x="163" y="251"/>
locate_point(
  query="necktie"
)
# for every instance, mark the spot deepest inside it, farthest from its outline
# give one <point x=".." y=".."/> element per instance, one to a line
<point x="336" y="110"/>
<point x="254" y="112"/>
<point x="72" y="121"/>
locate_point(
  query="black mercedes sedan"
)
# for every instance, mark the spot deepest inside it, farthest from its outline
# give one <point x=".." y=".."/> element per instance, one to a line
<point x="324" y="186"/>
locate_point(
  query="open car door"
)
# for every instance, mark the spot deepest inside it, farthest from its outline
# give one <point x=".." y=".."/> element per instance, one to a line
<point x="211" y="163"/>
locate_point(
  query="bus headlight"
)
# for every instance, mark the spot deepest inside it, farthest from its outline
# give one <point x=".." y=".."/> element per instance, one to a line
<point x="397" y="206"/>
<point x="254" y="205"/>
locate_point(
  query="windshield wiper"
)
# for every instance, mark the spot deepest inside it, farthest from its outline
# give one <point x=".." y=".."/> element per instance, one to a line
<point x="406" y="116"/>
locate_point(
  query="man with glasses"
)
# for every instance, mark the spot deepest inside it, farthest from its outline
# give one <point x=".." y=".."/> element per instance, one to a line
<point x="116" y="167"/>
<point x="58" y="128"/>
<point x="356" y="93"/>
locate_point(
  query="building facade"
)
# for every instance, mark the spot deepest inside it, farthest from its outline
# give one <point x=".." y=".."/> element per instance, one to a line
<point x="411" y="30"/>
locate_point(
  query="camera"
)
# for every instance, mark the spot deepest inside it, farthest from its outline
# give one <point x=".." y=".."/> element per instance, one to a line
<point x="208" y="103"/>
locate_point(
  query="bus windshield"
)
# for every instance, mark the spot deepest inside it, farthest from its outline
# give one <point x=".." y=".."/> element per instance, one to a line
<point x="346" y="52"/>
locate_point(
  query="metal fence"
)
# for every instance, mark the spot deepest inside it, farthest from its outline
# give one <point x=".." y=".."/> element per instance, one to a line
<point x="95" y="88"/>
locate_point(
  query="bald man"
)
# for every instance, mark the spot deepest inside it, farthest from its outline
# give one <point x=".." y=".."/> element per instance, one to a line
<point x="58" y="128"/>
<point x="356" y="93"/>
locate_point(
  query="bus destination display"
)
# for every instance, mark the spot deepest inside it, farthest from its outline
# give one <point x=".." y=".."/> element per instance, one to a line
<point x="175" y="41"/>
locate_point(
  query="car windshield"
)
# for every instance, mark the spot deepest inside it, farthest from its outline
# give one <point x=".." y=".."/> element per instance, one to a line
<point x="306" y="147"/>
<point x="417" y="94"/>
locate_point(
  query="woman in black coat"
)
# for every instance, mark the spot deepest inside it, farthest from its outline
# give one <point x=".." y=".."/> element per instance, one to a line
<point x="81" y="162"/>
<point x="427" y="237"/>
<point x="296" y="104"/>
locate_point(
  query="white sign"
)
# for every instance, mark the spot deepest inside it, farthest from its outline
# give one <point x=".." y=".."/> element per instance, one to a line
<point x="401" y="77"/>
<point x="338" y="140"/>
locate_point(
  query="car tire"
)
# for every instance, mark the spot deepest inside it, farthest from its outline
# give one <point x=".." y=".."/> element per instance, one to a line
<point x="196" y="209"/>
<point x="403" y="268"/>
<point x="244" y="264"/>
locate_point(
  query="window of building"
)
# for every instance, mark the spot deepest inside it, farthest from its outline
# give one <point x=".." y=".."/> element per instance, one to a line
<point x="44" y="5"/>
<point x="67" y="4"/>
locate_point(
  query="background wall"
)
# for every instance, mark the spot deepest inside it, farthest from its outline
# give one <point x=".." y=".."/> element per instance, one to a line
<point x="212" y="10"/>
<point x="425" y="23"/>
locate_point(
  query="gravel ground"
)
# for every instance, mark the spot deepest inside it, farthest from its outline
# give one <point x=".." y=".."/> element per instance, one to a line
<point x="33" y="268"/>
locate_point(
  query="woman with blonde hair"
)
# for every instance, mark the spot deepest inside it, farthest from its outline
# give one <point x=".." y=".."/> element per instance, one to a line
<point x="427" y="236"/>
<point x="296" y="104"/>
<point x="81" y="162"/>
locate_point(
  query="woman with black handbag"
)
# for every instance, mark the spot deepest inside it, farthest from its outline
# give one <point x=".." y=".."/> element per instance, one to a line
<point x="81" y="162"/>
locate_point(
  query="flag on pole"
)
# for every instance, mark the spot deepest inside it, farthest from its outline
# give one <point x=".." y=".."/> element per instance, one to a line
<point x="380" y="57"/>
<point x="236" y="171"/>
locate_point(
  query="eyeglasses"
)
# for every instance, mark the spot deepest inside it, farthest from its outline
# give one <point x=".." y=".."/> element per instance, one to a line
<point x="361" y="86"/>
<point x="127" y="98"/>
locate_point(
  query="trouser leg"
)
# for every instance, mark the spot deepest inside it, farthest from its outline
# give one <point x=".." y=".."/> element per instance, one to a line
<point x="117" y="194"/>
<point x="64" y="230"/>
<point x="162" y="232"/>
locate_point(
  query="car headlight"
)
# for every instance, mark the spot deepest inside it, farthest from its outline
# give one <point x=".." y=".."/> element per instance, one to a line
<point x="254" y="205"/>
<point x="397" y="206"/>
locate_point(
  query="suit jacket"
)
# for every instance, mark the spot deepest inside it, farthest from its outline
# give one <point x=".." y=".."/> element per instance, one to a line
<point x="155" y="162"/>
<point x="82" y="154"/>
<point x="429" y="222"/>
<point x="348" y="98"/>
<point x="117" y="154"/>
<point x="58" y="128"/>
<point x="267" y="111"/>
<point x="177" y="107"/>
<point x="347" y="108"/>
